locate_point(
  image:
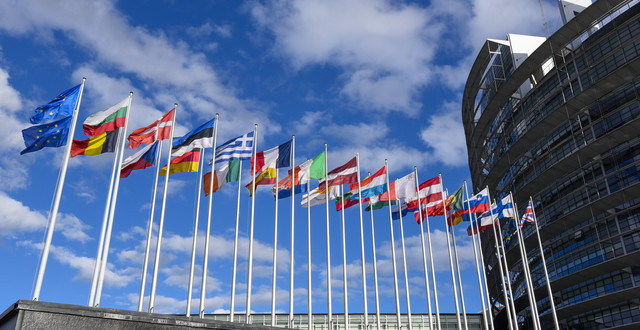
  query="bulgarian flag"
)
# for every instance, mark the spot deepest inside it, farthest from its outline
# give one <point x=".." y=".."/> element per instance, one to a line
<point x="95" y="145"/>
<point x="106" y="120"/>
<point x="228" y="172"/>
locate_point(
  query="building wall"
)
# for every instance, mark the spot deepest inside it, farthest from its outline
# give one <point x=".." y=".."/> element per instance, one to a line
<point x="572" y="143"/>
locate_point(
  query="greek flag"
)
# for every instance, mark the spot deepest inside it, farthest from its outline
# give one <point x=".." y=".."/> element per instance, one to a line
<point x="236" y="148"/>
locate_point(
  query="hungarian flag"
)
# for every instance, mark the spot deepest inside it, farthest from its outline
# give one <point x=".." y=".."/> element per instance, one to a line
<point x="276" y="157"/>
<point x="95" y="145"/>
<point x="187" y="162"/>
<point x="228" y="172"/>
<point x="158" y="130"/>
<point x="403" y="188"/>
<point x="200" y="137"/>
<point x="145" y="157"/>
<point x="106" y="120"/>
<point x="375" y="203"/>
<point x="344" y="174"/>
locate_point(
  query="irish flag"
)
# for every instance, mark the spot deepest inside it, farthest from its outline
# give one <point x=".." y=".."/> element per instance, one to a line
<point x="228" y="172"/>
<point x="106" y="120"/>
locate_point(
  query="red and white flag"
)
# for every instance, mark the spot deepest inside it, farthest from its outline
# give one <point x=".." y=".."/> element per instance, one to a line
<point x="402" y="189"/>
<point x="345" y="174"/>
<point x="159" y="130"/>
<point x="430" y="192"/>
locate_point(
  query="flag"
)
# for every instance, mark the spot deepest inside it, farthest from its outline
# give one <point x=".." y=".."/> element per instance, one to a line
<point x="187" y="162"/>
<point x="237" y="148"/>
<point x="62" y="105"/>
<point x="228" y="172"/>
<point x="346" y="202"/>
<point x="53" y="134"/>
<point x="375" y="203"/>
<point x="504" y="208"/>
<point x="430" y="191"/>
<point x="200" y="137"/>
<point x="486" y="220"/>
<point x="311" y="169"/>
<point x="431" y="209"/>
<point x="402" y="189"/>
<point x="344" y="174"/>
<point x="106" y="120"/>
<point x="96" y="145"/>
<point x="279" y="156"/>
<point x="395" y="215"/>
<point x="317" y="196"/>
<point x="455" y="201"/>
<point x="158" y="130"/>
<point x="479" y="202"/>
<point x="528" y="215"/>
<point x="267" y="176"/>
<point x="371" y="186"/>
<point x="145" y="157"/>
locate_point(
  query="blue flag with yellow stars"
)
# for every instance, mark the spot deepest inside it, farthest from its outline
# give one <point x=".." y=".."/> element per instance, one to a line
<point x="53" y="134"/>
<point x="62" y="105"/>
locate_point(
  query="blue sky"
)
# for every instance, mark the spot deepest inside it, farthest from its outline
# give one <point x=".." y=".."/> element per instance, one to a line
<point x="382" y="78"/>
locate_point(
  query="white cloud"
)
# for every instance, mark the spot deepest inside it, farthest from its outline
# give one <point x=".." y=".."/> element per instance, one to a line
<point x="16" y="217"/>
<point x="444" y="136"/>
<point x="384" y="49"/>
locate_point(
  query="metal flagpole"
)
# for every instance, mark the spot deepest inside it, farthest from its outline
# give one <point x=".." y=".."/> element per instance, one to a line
<point x="56" y="199"/>
<point x="363" y="261"/>
<point x="275" y="257"/>
<point x="147" y="248"/>
<point x="156" y="263"/>
<point x="433" y="268"/>
<point x="309" y="309"/>
<point x="344" y="266"/>
<point x="506" y="272"/>
<point x="103" y="230"/>
<point x="194" y="239"/>
<point x="484" y="276"/>
<point x="507" y="304"/>
<point x="475" y="255"/>
<point x="453" y="278"/>
<point x="207" y="234"/>
<point x="293" y="194"/>
<point x="326" y="192"/>
<point x="544" y="265"/>
<point x="404" y="265"/>
<point x="373" y="244"/>
<point x="105" y="252"/>
<point x="232" y="305"/>
<point x="455" y="254"/>
<point x="393" y="250"/>
<point x="527" y="275"/>
<point x="253" y="204"/>
<point x="424" y="252"/>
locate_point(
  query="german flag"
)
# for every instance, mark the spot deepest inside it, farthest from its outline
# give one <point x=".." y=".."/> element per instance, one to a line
<point x="95" y="145"/>
<point x="187" y="162"/>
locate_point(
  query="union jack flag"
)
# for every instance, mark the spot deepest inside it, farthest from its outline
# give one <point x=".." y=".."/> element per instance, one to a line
<point x="528" y="215"/>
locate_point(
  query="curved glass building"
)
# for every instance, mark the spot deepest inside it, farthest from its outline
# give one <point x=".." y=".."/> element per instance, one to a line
<point x="558" y="119"/>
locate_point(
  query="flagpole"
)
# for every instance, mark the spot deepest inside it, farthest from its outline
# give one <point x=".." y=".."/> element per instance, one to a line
<point x="253" y="204"/>
<point x="156" y="263"/>
<point x="404" y="264"/>
<point x="326" y="192"/>
<point x="344" y="266"/>
<point x="105" y="253"/>
<point x="56" y="200"/>
<point x="544" y="265"/>
<point x="291" y="264"/>
<point x="103" y="231"/>
<point x="506" y="272"/>
<point x="453" y="278"/>
<point x="362" y="257"/>
<point x="373" y="244"/>
<point x="194" y="239"/>
<point x="205" y="261"/>
<point x="484" y="275"/>
<point x="424" y="252"/>
<point x="147" y="247"/>
<point x="475" y="255"/>
<point x="309" y="302"/>
<point x="393" y="250"/>
<point x="275" y="257"/>
<point x="527" y="276"/>
<point x="235" y="248"/>
<point x="455" y="253"/>
<point x="433" y="268"/>
<point x="507" y="304"/>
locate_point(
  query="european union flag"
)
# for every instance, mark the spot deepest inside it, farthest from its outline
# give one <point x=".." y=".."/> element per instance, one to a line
<point x="53" y="134"/>
<point x="62" y="105"/>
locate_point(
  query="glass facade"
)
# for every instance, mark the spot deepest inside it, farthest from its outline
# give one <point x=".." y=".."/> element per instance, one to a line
<point x="572" y="143"/>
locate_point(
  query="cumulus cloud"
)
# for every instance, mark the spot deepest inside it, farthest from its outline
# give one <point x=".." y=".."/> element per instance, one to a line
<point x="444" y="136"/>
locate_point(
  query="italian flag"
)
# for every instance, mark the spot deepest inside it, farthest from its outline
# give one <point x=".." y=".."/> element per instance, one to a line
<point x="106" y="120"/>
